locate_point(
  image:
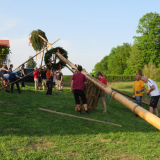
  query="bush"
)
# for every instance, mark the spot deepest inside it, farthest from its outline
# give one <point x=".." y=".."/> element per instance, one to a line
<point x="151" y="71"/>
<point x="67" y="77"/>
<point x="108" y="77"/>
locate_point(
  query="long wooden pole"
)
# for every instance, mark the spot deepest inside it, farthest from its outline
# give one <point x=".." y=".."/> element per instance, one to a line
<point x="36" y="55"/>
<point x="70" y="115"/>
<point x="146" y="115"/>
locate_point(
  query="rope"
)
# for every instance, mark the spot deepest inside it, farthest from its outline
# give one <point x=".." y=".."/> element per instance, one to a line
<point x="110" y="96"/>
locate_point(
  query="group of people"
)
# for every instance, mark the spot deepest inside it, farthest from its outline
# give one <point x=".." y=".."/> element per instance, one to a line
<point x="49" y="78"/>
<point x="46" y="78"/>
<point x="8" y="76"/>
<point x="138" y="88"/>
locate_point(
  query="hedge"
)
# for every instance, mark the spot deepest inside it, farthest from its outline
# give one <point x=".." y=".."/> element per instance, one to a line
<point x="108" y="77"/>
<point x="120" y="78"/>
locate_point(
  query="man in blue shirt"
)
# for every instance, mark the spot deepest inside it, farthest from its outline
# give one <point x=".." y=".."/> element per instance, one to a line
<point x="13" y="77"/>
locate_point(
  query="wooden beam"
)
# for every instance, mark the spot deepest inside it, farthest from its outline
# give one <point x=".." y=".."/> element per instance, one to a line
<point x="70" y="115"/>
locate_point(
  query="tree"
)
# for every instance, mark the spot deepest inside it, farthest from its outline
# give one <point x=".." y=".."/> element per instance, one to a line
<point x="31" y="63"/>
<point x="101" y="66"/>
<point x="149" y="40"/>
<point x="135" y="62"/>
<point x="117" y="59"/>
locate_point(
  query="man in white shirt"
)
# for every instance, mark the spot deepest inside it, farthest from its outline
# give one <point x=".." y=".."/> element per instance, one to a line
<point x="154" y="92"/>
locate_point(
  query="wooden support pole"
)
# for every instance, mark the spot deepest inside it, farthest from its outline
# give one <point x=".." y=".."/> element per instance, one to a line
<point x="143" y="113"/>
<point x="35" y="55"/>
<point x="69" y="69"/>
<point x="70" y="115"/>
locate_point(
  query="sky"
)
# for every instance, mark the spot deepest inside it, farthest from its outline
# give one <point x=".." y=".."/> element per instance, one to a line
<point x="88" y="29"/>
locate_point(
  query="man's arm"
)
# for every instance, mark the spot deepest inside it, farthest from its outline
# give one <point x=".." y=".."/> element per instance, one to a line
<point x="152" y="88"/>
<point x="23" y="72"/>
<point x="133" y="91"/>
<point x="61" y="78"/>
<point x="72" y="84"/>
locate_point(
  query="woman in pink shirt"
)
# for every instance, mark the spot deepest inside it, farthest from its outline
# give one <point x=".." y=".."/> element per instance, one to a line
<point x="36" y="77"/>
<point x="102" y="93"/>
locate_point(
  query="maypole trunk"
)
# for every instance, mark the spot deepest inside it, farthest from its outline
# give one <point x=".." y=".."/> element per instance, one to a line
<point x="146" y="115"/>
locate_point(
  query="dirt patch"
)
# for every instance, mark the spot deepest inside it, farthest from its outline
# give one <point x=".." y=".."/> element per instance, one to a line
<point x="104" y="140"/>
<point x="42" y="145"/>
<point x="1" y="102"/>
<point x="122" y="156"/>
<point x="8" y="113"/>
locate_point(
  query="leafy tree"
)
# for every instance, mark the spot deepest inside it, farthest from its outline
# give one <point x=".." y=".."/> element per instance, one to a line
<point x="135" y="62"/>
<point x="117" y="64"/>
<point x="149" y="41"/>
<point x="101" y="66"/>
<point x="31" y="63"/>
<point x="111" y="59"/>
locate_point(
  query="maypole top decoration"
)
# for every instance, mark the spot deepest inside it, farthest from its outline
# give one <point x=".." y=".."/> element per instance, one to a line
<point x="56" y="62"/>
<point x="36" y="41"/>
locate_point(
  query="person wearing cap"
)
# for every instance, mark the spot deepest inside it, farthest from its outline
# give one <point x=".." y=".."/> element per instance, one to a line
<point x="13" y="77"/>
<point x="59" y="80"/>
<point x="77" y="85"/>
<point x="154" y="92"/>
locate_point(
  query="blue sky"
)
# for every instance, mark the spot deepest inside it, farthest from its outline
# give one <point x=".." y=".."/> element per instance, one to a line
<point x="88" y="29"/>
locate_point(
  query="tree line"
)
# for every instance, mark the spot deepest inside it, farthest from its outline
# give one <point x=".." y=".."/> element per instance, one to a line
<point x="128" y="59"/>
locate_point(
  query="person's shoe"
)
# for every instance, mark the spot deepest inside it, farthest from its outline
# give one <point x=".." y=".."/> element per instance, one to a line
<point x="104" y="111"/>
<point x="87" y="113"/>
<point x="136" y="115"/>
<point x="55" y="93"/>
<point x="7" y="91"/>
<point x="59" y="90"/>
<point x="80" y="112"/>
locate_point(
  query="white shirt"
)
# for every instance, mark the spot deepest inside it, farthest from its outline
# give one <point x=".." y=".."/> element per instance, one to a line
<point x="155" y="92"/>
<point x="6" y="75"/>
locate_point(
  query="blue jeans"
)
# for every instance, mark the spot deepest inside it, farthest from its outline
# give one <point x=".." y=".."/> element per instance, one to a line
<point x="139" y="100"/>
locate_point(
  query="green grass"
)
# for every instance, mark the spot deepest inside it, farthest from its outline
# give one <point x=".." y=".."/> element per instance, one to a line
<point x="29" y="133"/>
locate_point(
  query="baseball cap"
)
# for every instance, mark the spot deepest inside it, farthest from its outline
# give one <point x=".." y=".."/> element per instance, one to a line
<point x="9" y="72"/>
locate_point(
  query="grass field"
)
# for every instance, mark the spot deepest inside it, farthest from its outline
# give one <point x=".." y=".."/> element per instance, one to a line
<point x="29" y="133"/>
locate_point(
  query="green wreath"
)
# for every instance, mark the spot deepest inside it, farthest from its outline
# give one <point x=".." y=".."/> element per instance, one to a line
<point x="37" y="42"/>
<point x="49" y="57"/>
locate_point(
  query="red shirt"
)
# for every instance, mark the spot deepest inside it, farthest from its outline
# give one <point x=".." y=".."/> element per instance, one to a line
<point x="48" y="74"/>
<point x="103" y="80"/>
<point x="79" y="80"/>
<point x="36" y="74"/>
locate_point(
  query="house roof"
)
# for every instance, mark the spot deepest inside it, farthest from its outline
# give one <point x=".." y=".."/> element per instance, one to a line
<point x="4" y="43"/>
